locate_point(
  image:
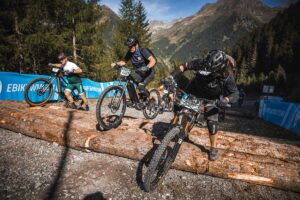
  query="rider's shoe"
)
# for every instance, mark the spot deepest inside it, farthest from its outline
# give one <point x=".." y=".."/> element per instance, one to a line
<point x="213" y="154"/>
<point x="87" y="108"/>
<point x="73" y="105"/>
<point x="140" y="106"/>
<point x="143" y="90"/>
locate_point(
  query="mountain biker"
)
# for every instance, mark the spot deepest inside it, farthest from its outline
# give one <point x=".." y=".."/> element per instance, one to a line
<point x="215" y="81"/>
<point x="72" y="71"/>
<point x="143" y="60"/>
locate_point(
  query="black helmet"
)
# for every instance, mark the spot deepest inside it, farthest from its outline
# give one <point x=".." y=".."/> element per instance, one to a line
<point x="131" y="41"/>
<point x="61" y="56"/>
<point x="216" y="61"/>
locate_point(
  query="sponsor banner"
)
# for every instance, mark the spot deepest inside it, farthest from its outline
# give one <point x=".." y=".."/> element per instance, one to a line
<point x="284" y="114"/>
<point x="12" y="86"/>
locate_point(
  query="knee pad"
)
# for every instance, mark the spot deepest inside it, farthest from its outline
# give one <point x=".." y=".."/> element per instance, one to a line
<point x="212" y="127"/>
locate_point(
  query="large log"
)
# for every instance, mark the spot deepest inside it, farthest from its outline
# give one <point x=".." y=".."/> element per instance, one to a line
<point x="272" y="162"/>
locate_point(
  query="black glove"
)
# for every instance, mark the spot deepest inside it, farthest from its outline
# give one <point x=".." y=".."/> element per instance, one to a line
<point x="176" y="72"/>
<point x="50" y="64"/>
<point x="143" y="69"/>
<point x="222" y="102"/>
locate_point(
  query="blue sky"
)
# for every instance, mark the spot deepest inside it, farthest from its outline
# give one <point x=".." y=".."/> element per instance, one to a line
<point x="168" y="10"/>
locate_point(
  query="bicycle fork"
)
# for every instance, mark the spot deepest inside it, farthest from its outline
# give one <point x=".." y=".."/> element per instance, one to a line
<point x="51" y="79"/>
<point x="123" y="93"/>
<point x="183" y="127"/>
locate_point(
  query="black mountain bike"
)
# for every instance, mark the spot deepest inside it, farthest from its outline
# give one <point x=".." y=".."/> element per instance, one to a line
<point x="112" y="103"/>
<point x="167" y="99"/>
<point x="187" y="114"/>
<point x="39" y="91"/>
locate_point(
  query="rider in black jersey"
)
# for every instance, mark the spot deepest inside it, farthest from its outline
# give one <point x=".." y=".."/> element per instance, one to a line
<point x="214" y="81"/>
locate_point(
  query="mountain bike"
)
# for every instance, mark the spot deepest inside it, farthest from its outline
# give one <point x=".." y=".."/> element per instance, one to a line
<point x="167" y="99"/>
<point x="188" y="112"/>
<point x="112" y="103"/>
<point x="39" y="91"/>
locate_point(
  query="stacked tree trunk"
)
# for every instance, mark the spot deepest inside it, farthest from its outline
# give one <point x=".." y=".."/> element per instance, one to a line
<point x="266" y="161"/>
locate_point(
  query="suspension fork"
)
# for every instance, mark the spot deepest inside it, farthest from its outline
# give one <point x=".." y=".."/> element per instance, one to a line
<point x="51" y="79"/>
<point x="175" y="120"/>
<point x="123" y="93"/>
<point x="184" y="125"/>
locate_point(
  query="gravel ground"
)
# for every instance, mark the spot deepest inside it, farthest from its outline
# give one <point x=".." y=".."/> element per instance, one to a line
<point x="36" y="169"/>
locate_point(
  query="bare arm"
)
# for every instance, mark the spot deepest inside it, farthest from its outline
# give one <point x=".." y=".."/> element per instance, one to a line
<point x="58" y="65"/>
<point x="152" y="62"/>
<point x="121" y="62"/>
<point x="77" y="71"/>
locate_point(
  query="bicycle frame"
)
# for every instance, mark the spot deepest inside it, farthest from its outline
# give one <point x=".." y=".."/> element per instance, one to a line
<point x="61" y="82"/>
<point x="130" y="88"/>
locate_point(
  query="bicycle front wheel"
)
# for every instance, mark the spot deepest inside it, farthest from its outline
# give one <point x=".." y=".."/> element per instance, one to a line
<point x="111" y="107"/>
<point x="162" y="159"/>
<point x="38" y="92"/>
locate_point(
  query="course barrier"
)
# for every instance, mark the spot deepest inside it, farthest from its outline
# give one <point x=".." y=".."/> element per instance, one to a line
<point x="284" y="114"/>
<point x="12" y="86"/>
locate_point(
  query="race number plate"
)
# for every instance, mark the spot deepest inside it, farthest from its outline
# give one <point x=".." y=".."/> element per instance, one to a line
<point x="125" y="72"/>
<point x="55" y="69"/>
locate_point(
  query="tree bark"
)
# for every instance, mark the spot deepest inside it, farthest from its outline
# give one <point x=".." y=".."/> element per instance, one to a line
<point x="258" y="160"/>
<point x="74" y="40"/>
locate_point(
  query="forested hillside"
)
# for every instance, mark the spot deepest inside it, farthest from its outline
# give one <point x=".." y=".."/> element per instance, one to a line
<point x="34" y="32"/>
<point x="270" y="55"/>
<point x="217" y="25"/>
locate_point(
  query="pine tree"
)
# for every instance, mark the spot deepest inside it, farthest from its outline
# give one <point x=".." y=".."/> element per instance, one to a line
<point x="141" y="24"/>
<point x="242" y="73"/>
<point x="125" y="27"/>
<point x="133" y="21"/>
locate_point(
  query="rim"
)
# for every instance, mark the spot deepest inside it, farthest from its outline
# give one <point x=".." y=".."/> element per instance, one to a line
<point x="39" y="91"/>
<point x="112" y="107"/>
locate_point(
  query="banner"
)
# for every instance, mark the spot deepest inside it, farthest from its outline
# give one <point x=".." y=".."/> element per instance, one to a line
<point x="284" y="114"/>
<point x="12" y="86"/>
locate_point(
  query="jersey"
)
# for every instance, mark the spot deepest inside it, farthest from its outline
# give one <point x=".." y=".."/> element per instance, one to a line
<point x="140" y="57"/>
<point x="72" y="77"/>
<point x="211" y="86"/>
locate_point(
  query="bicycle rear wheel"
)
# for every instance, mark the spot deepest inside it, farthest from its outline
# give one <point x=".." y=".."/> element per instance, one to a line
<point x="162" y="159"/>
<point x="38" y="92"/>
<point x="152" y="108"/>
<point x="111" y="107"/>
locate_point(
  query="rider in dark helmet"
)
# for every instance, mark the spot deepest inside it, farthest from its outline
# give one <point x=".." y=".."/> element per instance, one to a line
<point x="215" y="81"/>
<point x="143" y="60"/>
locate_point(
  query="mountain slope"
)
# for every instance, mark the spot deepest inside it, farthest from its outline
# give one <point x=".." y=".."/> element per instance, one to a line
<point x="216" y="25"/>
<point x="109" y="18"/>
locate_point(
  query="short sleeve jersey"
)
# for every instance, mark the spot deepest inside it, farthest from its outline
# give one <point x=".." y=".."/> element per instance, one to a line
<point x="139" y="58"/>
<point x="72" y="78"/>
